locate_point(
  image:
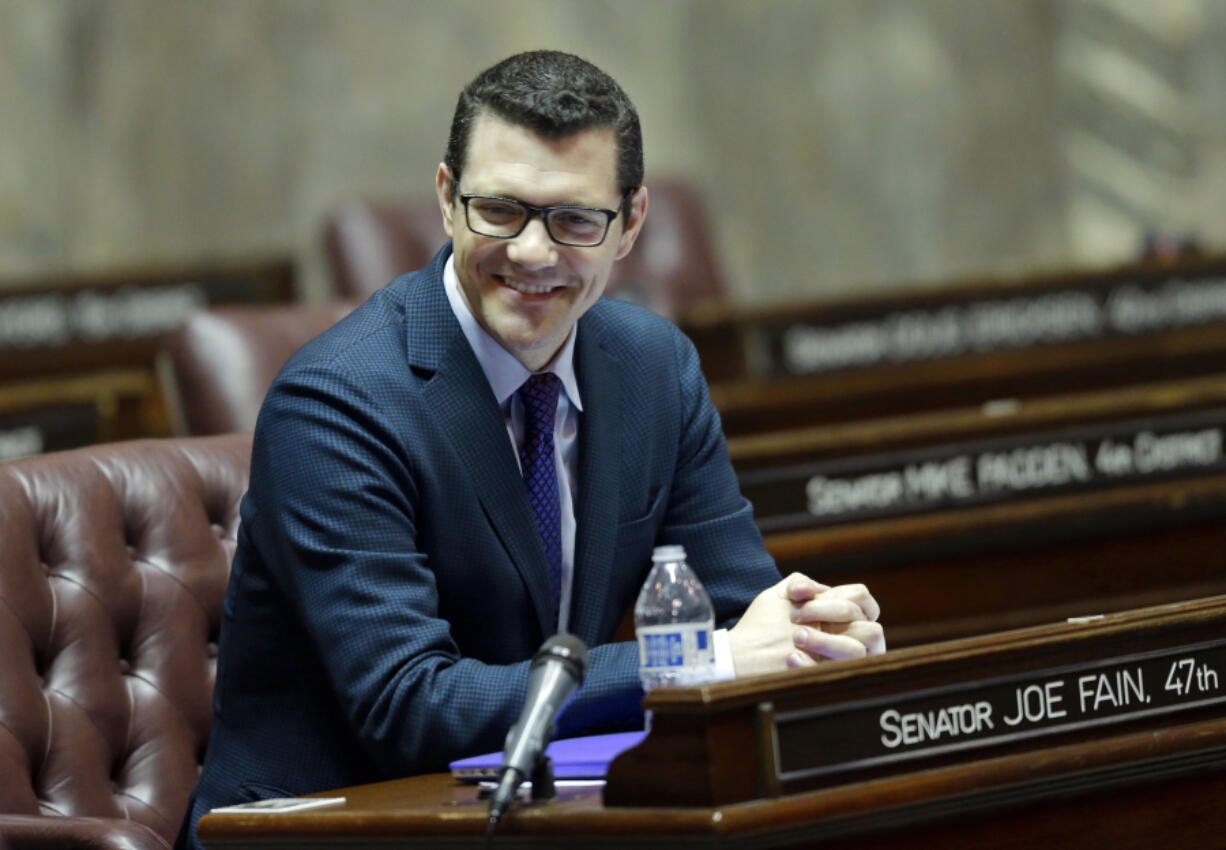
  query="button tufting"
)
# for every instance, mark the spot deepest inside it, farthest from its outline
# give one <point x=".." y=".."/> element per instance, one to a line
<point x="212" y="649"/>
<point x="125" y="667"/>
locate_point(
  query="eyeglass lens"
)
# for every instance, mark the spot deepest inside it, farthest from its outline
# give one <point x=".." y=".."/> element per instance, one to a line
<point x="504" y="218"/>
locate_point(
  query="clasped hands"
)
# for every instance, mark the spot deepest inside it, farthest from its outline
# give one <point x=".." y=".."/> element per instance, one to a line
<point x="799" y="621"/>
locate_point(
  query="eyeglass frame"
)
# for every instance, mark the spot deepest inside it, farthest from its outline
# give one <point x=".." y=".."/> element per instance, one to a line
<point x="543" y="213"/>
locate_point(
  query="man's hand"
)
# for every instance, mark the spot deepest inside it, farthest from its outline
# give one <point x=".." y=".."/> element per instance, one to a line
<point x="799" y="621"/>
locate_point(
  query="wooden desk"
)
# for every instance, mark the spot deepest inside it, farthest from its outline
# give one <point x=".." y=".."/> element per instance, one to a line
<point x="65" y="411"/>
<point x="1085" y="770"/>
<point x="77" y="353"/>
<point x="987" y="804"/>
<point x="965" y="344"/>
<point x="970" y="521"/>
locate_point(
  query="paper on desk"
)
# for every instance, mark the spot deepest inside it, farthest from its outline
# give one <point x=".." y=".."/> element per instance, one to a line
<point x="276" y="805"/>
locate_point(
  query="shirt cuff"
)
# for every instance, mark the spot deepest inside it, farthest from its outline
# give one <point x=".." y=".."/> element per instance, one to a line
<point x="725" y="671"/>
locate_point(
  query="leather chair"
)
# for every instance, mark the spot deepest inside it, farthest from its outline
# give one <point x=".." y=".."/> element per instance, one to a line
<point x="369" y="243"/>
<point x="217" y="368"/>
<point x="113" y="566"/>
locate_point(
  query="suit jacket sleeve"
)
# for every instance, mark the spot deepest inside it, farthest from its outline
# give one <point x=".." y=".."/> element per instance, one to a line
<point x="706" y="512"/>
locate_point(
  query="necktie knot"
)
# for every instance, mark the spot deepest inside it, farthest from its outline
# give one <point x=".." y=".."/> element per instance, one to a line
<point x="539" y="395"/>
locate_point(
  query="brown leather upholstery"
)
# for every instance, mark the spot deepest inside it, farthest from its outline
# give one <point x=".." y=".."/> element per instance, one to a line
<point x="369" y="243"/>
<point x="113" y="566"/>
<point x="673" y="264"/>
<point x="223" y="361"/>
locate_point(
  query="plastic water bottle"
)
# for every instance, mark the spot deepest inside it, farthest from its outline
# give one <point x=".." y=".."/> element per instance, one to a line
<point x="674" y="622"/>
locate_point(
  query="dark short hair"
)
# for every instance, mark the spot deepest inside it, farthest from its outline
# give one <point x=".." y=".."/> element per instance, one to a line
<point x="556" y="95"/>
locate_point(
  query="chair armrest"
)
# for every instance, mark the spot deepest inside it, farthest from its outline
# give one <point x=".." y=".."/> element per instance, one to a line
<point x="53" y="832"/>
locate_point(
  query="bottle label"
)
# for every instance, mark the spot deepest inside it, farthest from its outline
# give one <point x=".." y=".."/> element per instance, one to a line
<point x="675" y="645"/>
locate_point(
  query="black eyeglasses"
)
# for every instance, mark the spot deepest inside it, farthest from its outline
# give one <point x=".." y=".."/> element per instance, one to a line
<point x="506" y="218"/>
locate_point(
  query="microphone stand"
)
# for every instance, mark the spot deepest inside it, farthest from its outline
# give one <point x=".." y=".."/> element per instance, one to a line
<point x="544" y="788"/>
<point x="556" y="672"/>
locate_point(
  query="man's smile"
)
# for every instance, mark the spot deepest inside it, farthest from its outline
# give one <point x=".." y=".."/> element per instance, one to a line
<point x="527" y="286"/>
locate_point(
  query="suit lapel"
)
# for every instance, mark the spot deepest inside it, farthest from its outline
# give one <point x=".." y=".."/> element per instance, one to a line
<point x="459" y="398"/>
<point x="597" y="505"/>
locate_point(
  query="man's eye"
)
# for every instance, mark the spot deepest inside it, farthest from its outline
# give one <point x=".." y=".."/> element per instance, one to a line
<point x="576" y="221"/>
<point x="495" y="210"/>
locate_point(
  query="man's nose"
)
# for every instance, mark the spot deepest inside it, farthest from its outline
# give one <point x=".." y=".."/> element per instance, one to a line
<point x="533" y="247"/>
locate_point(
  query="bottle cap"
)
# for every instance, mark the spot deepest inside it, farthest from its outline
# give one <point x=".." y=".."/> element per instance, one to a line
<point x="667" y="553"/>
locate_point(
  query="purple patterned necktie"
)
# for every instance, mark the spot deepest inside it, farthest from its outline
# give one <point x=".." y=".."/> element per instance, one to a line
<point x="539" y="395"/>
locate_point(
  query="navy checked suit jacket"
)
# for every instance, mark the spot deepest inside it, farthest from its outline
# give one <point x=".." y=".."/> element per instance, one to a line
<point x="389" y="588"/>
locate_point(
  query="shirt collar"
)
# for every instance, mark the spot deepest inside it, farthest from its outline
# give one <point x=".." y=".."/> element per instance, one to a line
<point x="502" y="370"/>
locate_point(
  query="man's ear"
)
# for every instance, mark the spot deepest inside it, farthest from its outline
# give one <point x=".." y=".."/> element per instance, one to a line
<point x="442" y="187"/>
<point x="638" y="212"/>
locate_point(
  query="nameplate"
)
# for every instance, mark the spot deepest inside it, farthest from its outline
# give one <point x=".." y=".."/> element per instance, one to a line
<point x="89" y="321"/>
<point x="1132" y="306"/>
<point x="965" y="718"/>
<point x="983" y="472"/>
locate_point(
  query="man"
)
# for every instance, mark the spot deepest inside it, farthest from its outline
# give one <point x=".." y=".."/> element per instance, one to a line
<point x="419" y="520"/>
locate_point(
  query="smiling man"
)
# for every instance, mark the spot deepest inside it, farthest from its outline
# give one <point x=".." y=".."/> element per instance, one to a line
<point x="484" y="454"/>
<point x="530" y="230"/>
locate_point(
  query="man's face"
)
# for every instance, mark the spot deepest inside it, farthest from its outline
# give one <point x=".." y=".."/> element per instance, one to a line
<point x="528" y="292"/>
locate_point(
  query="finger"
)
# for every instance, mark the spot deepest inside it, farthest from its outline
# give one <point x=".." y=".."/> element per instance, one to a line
<point x="797" y="659"/>
<point x="801" y="588"/>
<point x="871" y="634"/>
<point x="860" y="595"/>
<point x="825" y="645"/>
<point x="827" y="609"/>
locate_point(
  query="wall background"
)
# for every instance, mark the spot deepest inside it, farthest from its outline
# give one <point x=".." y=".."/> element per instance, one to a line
<point x="842" y="145"/>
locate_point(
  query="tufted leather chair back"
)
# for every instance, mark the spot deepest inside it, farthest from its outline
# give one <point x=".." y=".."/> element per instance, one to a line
<point x="221" y="362"/>
<point x="113" y="566"/>
<point x="369" y="243"/>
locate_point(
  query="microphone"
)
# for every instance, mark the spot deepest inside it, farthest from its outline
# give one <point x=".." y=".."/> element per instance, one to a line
<point x="556" y="673"/>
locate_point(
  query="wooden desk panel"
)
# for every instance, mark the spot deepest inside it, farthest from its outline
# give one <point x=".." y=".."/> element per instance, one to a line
<point x="1149" y="773"/>
<point x="70" y="324"/>
<point x="1132" y="795"/>
<point x="963" y="344"/>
